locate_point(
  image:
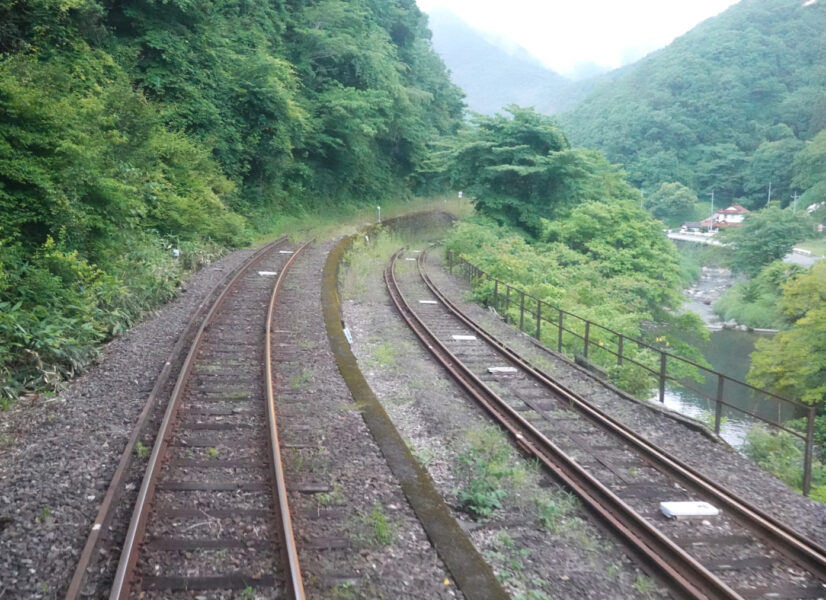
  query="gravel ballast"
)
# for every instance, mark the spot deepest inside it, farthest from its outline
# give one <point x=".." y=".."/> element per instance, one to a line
<point x="57" y="455"/>
<point x="565" y="557"/>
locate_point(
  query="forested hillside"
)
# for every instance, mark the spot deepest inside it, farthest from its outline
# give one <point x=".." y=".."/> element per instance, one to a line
<point x="128" y="128"/>
<point x="733" y="105"/>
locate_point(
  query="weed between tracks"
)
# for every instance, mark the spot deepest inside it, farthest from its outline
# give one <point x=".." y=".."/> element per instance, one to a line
<point x="367" y="256"/>
<point x="300" y="380"/>
<point x="141" y="450"/>
<point x="374" y="528"/>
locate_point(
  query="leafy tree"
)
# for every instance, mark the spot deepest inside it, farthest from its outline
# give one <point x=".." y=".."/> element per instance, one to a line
<point x="756" y="302"/>
<point x="810" y="170"/>
<point x="793" y="363"/>
<point x="764" y="237"/>
<point x="127" y="128"/>
<point x="623" y="242"/>
<point x="520" y="169"/>
<point x="771" y="163"/>
<point x="671" y="199"/>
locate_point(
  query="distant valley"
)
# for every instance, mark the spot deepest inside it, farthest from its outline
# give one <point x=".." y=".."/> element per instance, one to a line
<point x="493" y="77"/>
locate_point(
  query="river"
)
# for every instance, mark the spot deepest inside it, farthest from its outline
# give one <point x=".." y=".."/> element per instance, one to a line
<point x="727" y="351"/>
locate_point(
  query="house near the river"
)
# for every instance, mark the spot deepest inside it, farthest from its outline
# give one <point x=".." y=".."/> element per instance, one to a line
<point x="731" y="216"/>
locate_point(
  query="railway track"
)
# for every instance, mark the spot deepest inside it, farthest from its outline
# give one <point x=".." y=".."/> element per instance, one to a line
<point x="742" y="553"/>
<point x="211" y="515"/>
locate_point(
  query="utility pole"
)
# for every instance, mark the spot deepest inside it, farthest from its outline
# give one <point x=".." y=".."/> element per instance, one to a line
<point x="770" y="193"/>
<point x="711" y="218"/>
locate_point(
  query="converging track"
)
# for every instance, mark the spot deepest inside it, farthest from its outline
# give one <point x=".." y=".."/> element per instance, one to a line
<point x="212" y="515"/>
<point x="741" y="554"/>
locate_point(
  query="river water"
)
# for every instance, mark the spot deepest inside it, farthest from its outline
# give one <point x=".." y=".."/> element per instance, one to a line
<point x="727" y="351"/>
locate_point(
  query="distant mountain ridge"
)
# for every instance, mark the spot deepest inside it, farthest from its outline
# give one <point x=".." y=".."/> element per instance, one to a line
<point x="729" y="106"/>
<point x="492" y="77"/>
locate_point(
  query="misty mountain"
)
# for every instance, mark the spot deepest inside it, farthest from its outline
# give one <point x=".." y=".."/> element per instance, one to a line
<point x="493" y="77"/>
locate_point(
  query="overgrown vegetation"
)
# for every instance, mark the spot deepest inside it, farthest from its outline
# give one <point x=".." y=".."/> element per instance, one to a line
<point x="793" y="363"/>
<point x="781" y="454"/>
<point x="756" y="302"/>
<point x="602" y="266"/>
<point x="129" y="129"/>
<point x="488" y="470"/>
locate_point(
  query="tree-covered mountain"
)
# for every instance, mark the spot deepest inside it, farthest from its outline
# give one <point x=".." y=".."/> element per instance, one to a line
<point x="493" y="78"/>
<point x="130" y="127"/>
<point x="734" y="105"/>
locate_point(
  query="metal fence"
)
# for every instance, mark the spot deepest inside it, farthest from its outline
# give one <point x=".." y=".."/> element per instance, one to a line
<point x="575" y="335"/>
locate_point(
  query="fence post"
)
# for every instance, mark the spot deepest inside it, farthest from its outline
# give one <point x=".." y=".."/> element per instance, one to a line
<point x="807" y="457"/>
<point x="538" y="318"/>
<point x="718" y="408"/>
<point x="522" y="312"/>
<point x="450" y="261"/>
<point x="587" y="336"/>
<point x="507" y="301"/>
<point x="619" y="350"/>
<point x="495" y="292"/>
<point x="662" y="377"/>
<point x="559" y="337"/>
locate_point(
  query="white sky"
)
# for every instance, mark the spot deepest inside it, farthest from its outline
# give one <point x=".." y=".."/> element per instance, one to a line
<point x="564" y="33"/>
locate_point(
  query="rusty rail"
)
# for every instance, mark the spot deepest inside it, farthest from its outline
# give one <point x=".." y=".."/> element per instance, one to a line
<point x="662" y="555"/>
<point x="295" y="584"/>
<point x="116" y="485"/>
<point x="792" y="544"/>
<point x="122" y="584"/>
<point x="569" y="340"/>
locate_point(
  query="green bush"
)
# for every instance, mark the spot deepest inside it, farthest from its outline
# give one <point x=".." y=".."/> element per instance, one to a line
<point x="781" y="454"/>
<point x="485" y="465"/>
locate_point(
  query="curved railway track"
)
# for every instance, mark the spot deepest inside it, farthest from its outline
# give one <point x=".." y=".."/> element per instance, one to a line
<point x="211" y="514"/>
<point x="742" y="553"/>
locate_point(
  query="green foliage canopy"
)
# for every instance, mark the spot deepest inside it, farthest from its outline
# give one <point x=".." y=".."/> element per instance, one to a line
<point x="671" y="199"/>
<point x="725" y="107"/>
<point x="128" y="128"/>
<point x="520" y="169"/>
<point x="765" y="236"/>
<point x="793" y="363"/>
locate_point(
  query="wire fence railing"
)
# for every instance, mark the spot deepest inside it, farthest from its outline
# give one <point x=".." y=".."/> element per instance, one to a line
<point x="576" y="336"/>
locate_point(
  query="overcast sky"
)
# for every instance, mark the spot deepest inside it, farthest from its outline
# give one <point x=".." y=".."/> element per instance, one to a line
<point x="564" y="33"/>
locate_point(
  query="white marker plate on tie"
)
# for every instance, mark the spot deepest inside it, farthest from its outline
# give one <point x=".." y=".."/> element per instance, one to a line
<point x="427" y="302"/>
<point x="285" y="252"/>
<point x="501" y="370"/>
<point x="268" y="273"/>
<point x="408" y="258"/>
<point x="685" y="510"/>
<point x="464" y="338"/>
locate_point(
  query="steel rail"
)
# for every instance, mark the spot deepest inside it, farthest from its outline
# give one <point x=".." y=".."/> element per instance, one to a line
<point x="122" y="584"/>
<point x="116" y="485"/>
<point x="295" y="584"/>
<point x="794" y="545"/>
<point x="683" y="572"/>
